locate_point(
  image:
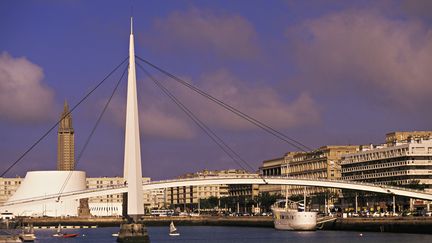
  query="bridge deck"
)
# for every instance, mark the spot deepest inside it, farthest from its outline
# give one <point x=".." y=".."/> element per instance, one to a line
<point x="228" y="180"/>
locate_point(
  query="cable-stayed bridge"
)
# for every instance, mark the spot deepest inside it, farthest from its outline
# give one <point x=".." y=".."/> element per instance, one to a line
<point x="132" y="152"/>
<point x="213" y="180"/>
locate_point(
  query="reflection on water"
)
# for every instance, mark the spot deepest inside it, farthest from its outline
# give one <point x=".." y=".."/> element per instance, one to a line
<point x="210" y="234"/>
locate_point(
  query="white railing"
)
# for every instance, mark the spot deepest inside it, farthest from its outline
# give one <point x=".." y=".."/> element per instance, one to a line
<point x="273" y="180"/>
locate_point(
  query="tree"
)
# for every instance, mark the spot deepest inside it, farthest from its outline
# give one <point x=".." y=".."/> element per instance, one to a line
<point x="213" y="201"/>
<point x="265" y="200"/>
<point x="209" y="203"/>
<point x="415" y="184"/>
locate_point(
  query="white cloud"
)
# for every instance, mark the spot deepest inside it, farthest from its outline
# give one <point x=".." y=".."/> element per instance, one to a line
<point x="161" y="118"/>
<point x="155" y="120"/>
<point x="385" y="59"/>
<point x="23" y="96"/>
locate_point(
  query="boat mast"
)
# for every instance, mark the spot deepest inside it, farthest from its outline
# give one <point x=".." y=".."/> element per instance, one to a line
<point x="286" y="186"/>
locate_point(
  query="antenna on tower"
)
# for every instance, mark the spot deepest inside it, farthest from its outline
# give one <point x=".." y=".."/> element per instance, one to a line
<point x="131" y="25"/>
<point x="131" y="14"/>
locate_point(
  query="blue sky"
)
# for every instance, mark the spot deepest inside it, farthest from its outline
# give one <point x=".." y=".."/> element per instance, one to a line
<point x="323" y="72"/>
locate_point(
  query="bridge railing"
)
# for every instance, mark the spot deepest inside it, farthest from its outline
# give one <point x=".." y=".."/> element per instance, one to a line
<point x="351" y="182"/>
<point x="292" y="178"/>
<point x="58" y="195"/>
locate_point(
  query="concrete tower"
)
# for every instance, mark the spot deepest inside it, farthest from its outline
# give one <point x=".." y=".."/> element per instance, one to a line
<point x="133" y="231"/>
<point x="132" y="156"/>
<point x="66" y="141"/>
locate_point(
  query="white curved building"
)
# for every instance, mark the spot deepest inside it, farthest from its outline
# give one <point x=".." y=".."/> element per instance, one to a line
<point x="42" y="183"/>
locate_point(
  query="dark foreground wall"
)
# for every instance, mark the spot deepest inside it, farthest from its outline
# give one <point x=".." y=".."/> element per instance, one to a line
<point x="419" y="225"/>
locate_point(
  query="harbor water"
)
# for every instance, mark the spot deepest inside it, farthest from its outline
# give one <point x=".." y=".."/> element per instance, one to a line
<point x="231" y="234"/>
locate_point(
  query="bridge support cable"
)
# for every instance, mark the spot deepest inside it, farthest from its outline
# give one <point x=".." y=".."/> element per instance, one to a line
<point x="209" y="132"/>
<point x="58" y="122"/>
<point x="266" y="128"/>
<point x="80" y="154"/>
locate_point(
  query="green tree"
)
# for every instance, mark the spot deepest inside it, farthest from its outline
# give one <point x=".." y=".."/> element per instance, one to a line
<point x="213" y="201"/>
<point x="415" y="184"/>
<point x="266" y="200"/>
<point x="209" y="203"/>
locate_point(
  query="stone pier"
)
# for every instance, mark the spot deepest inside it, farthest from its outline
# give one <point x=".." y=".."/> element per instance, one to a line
<point x="133" y="233"/>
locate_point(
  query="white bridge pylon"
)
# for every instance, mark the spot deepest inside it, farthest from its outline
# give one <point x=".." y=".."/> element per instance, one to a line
<point x="340" y="184"/>
<point x="132" y="153"/>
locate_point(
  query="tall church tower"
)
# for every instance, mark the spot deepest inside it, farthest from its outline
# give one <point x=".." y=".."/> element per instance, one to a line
<point x="66" y="142"/>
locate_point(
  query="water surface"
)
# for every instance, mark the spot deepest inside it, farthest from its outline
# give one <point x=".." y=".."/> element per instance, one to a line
<point x="209" y="234"/>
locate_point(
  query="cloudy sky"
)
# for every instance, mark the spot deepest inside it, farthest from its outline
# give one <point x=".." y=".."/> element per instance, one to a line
<point x="323" y="72"/>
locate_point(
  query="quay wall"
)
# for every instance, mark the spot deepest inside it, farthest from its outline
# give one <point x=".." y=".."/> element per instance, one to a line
<point x="154" y="221"/>
<point x="421" y="225"/>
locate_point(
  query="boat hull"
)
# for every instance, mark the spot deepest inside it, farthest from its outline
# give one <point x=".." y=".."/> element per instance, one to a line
<point x="69" y="235"/>
<point x="294" y="220"/>
<point x="61" y="235"/>
<point x="27" y="237"/>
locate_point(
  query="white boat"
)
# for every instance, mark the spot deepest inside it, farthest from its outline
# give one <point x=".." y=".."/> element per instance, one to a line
<point x="27" y="234"/>
<point x="27" y="237"/>
<point x="289" y="215"/>
<point x="173" y="230"/>
<point x="293" y="219"/>
<point x="63" y="235"/>
<point x="293" y="216"/>
<point x="58" y="231"/>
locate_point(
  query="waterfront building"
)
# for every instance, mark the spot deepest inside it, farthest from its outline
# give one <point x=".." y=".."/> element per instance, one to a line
<point x="109" y="205"/>
<point x="66" y="141"/>
<point x="189" y="197"/>
<point x="41" y="183"/>
<point x="272" y="167"/>
<point x="8" y="187"/>
<point x="112" y="205"/>
<point x="322" y="163"/>
<point x="404" y="160"/>
<point x="243" y="190"/>
<point x="399" y="137"/>
<point x="399" y="164"/>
